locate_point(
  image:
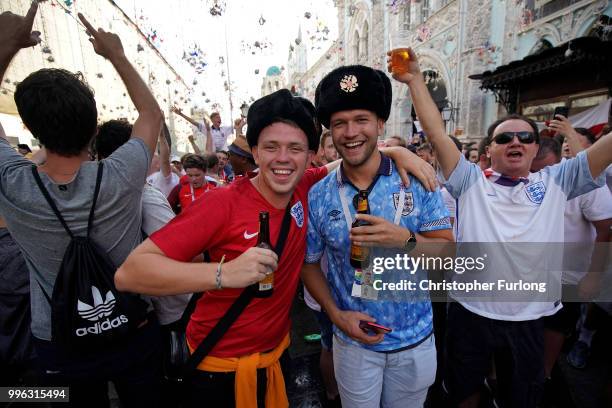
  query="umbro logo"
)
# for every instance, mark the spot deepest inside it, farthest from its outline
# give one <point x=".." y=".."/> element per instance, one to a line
<point x="250" y="236"/>
<point x="101" y="308"/>
<point x="333" y="213"/>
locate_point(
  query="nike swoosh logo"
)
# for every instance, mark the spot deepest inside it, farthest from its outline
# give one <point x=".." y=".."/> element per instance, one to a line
<point x="249" y="236"/>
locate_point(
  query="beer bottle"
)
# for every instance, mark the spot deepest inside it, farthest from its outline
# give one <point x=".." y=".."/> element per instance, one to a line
<point x="266" y="285"/>
<point x="360" y="255"/>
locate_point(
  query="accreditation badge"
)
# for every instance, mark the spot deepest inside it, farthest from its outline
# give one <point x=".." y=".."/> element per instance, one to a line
<point x="363" y="284"/>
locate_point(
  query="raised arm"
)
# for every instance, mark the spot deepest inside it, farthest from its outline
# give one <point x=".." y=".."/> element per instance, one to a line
<point x="564" y="127"/>
<point x="148" y="124"/>
<point x="16" y="33"/>
<point x="599" y="155"/>
<point x="179" y="112"/>
<point x="195" y="147"/>
<point x="164" y="151"/>
<point x="429" y="116"/>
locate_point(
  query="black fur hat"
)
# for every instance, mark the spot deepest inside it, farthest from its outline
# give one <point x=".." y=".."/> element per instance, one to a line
<point x="283" y="105"/>
<point x="353" y="87"/>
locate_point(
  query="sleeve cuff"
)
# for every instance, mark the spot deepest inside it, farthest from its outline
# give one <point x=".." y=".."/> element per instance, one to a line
<point x="313" y="258"/>
<point x="442" y="223"/>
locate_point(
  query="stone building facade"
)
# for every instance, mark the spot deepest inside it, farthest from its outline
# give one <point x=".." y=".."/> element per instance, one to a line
<point x="65" y="46"/>
<point x="453" y="39"/>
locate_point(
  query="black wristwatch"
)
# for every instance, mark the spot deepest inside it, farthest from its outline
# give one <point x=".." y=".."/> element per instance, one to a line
<point x="410" y="243"/>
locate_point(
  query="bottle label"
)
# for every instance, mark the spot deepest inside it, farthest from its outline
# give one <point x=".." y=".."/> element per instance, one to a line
<point x="359" y="253"/>
<point x="266" y="283"/>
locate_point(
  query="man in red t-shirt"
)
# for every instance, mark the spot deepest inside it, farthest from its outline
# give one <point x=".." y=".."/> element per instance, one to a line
<point x="282" y="135"/>
<point x="194" y="183"/>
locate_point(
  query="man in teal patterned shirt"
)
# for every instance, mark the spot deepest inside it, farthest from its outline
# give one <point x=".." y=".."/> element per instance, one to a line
<point x="372" y="369"/>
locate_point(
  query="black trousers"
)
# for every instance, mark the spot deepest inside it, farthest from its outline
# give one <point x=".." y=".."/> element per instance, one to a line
<point x="206" y="389"/>
<point x="134" y="367"/>
<point x="473" y="342"/>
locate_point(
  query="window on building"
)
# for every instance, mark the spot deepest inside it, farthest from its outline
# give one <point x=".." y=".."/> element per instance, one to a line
<point x="537" y="9"/>
<point x="364" y="54"/>
<point x="542" y="45"/>
<point x="356" y="46"/>
<point x="425" y="9"/>
<point x="542" y="110"/>
<point x="406" y="17"/>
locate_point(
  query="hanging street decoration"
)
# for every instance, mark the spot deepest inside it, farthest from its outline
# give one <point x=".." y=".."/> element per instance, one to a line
<point x="217" y="8"/>
<point x="256" y="47"/>
<point x="196" y="58"/>
<point x="262" y="20"/>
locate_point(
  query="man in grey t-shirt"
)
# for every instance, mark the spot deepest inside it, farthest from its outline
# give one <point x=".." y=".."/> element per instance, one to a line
<point x="60" y="111"/>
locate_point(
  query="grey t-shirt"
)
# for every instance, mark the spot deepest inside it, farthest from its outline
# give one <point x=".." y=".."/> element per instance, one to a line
<point x="156" y="213"/>
<point x="39" y="234"/>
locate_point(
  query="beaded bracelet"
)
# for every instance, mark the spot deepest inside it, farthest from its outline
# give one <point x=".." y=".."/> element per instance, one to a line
<point x="218" y="275"/>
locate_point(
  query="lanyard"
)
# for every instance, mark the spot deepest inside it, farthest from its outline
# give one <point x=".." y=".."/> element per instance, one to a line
<point x="347" y="212"/>
<point x="192" y="192"/>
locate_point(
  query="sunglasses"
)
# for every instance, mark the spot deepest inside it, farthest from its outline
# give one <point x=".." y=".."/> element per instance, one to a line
<point x="507" y="137"/>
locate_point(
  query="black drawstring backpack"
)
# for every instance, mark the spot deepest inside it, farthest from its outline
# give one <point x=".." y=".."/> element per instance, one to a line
<point x="87" y="310"/>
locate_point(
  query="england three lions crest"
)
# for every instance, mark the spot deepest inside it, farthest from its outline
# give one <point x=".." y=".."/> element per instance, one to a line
<point x="535" y="192"/>
<point x="297" y="212"/>
<point x="408" y="203"/>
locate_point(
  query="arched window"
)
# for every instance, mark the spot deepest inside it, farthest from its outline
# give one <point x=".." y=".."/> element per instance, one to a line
<point x="356" y="46"/>
<point x="364" y="54"/>
<point x="425" y="10"/>
<point x="542" y="45"/>
<point x="406" y="17"/>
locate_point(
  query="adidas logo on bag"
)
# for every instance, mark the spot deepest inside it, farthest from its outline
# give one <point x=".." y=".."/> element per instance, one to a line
<point x="100" y="309"/>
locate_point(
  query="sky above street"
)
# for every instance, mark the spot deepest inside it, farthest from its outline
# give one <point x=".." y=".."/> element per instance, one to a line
<point x="243" y="41"/>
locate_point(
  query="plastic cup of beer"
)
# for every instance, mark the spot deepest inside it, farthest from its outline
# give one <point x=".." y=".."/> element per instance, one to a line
<point x="399" y="44"/>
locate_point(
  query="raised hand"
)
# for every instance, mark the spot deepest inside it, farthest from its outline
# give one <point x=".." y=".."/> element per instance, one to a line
<point x="105" y="44"/>
<point x="249" y="268"/>
<point x="16" y="31"/>
<point x="409" y="163"/>
<point x="412" y="69"/>
<point x="562" y="125"/>
<point x="176" y="110"/>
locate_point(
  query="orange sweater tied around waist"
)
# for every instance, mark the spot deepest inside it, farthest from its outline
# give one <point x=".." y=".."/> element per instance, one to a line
<point x="245" y="384"/>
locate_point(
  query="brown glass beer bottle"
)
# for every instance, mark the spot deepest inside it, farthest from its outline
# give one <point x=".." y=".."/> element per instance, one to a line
<point x="360" y="255"/>
<point x="264" y="287"/>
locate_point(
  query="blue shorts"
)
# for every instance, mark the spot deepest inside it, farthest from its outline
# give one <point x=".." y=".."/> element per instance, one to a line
<point x="327" y="331"/>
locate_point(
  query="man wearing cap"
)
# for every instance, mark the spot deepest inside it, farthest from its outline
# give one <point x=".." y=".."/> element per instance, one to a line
<point x="372" y="370"/>
<point x="177" y="166"/>
<point x="240" y="157"/>
<point x="24" y="150"/>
